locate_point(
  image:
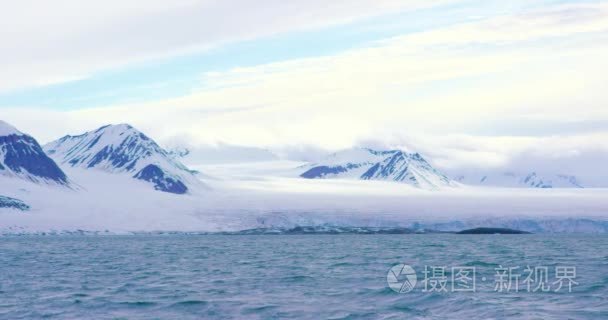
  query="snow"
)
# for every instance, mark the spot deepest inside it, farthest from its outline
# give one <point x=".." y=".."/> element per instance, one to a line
<point x="7" y="129"/>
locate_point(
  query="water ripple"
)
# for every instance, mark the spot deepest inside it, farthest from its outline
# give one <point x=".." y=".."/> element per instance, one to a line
<point x="276" y="277"/>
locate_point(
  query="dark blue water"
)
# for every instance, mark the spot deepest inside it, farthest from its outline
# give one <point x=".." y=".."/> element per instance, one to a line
<point x="310" y="277"/>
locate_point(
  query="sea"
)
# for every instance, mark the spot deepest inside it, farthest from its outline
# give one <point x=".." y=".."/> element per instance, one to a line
<point x="410" y="276"/>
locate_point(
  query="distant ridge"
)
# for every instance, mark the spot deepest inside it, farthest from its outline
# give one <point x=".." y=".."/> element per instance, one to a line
<point x="368" y="164"/>
<point x="531" y="179"/>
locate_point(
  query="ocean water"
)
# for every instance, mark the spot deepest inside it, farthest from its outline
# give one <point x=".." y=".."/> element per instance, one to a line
<point x="306" y="277"/>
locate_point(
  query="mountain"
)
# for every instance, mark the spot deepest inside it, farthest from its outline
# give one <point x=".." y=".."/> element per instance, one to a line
<point x="122" y="149"/>
<point x="518" y="180"/>
<point x="368" y="164"/>
<point x="21" y="156"/>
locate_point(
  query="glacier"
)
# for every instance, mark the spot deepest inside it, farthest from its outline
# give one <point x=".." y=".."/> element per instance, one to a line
<point x="242" y="197"/>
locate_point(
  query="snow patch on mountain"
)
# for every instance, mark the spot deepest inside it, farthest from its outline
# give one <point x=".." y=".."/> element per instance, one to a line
<point x="368" y="164"/>
<point x="122" y="149"/>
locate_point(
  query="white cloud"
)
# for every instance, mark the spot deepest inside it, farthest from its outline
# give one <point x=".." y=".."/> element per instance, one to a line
<point x="557" y="21"/>
<point x="52" y="41"/>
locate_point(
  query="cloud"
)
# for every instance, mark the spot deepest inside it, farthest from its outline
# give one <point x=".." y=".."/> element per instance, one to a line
<point x="553" y="21"/>
<point x="459" y="151"/>
<point x="50" y="42"/>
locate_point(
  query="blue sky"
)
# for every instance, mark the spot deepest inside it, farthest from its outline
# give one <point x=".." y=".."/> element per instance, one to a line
<point x="464" y="82"/>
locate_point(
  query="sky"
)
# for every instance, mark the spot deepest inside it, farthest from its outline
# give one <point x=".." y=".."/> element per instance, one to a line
<point x="470" y="84"/>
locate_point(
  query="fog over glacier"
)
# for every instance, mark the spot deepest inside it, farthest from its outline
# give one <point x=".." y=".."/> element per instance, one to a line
<point x="245" y="196"/>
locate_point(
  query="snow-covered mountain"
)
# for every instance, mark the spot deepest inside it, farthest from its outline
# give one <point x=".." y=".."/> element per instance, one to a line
<point x="122" y="149"/>
<point x="22" y="157"/>
<point x="520" y="180"/>
<point x="368" y="164"/>
<point x="112" y="170"/>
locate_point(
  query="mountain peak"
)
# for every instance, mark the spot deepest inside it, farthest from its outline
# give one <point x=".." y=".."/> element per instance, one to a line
<point x="6" y="129"/>
<point x="21" y="156"/>
<point x="121" y="148"/>
<point x="370" y="164"/>
<point x="116" y="128"/>
<point x="111" y="147"/>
